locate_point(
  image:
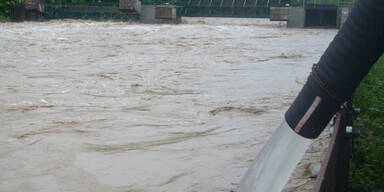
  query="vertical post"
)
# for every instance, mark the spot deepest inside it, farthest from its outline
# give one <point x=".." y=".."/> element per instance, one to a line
<point x="256" y="6"/>
<point x="187" y="7"/>
<point x="333" y="176"/>
<point x="233" y="7"/>
<point x="210" y="7"/>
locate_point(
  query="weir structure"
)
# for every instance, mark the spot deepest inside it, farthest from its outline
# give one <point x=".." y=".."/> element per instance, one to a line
<point x="130" y="9"/>
<point x="314" y="13"/>
<point x="298" y="13"/>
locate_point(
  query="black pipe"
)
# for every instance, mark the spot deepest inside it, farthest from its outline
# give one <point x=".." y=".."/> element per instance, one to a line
<point x="353" y="51"/>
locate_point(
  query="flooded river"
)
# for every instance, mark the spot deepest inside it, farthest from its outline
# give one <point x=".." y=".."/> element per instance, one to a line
<point x="104" y="106"/>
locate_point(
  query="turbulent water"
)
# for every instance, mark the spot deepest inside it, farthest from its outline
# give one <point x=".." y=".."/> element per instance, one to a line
<point x="103" y="106"/>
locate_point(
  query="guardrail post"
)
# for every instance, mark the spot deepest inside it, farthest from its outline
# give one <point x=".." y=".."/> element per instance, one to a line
<point x="333" y="175"/>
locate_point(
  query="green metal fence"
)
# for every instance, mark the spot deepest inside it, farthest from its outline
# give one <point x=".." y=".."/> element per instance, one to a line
<point x="242" y="8"/>
<point x="222" y="8"/>
<point x="109" y="9"/>
<point x="323" y="3"/>
<point x="227" y="8"/>
<point x="99" y="10"/>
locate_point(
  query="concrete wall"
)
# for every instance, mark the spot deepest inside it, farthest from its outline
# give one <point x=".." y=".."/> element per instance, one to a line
<point x="126" y="4"/>
<point x="342" y="15"/>
<point x="279" y="13"/>
<point x="153" y="14"/>
<point x="296" y="17"/>
<point x="165" y="12"/>
<point x="130" y="5"/>
<point x="34" y="10"/>
<point x="38" y="5"/>
<point x="137" y="6"/>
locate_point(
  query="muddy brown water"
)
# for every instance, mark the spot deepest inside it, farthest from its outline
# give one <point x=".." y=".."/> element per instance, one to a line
<point x="104" y="106"/>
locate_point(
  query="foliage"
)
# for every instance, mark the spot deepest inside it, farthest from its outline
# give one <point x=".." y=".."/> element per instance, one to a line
<point x="5" y="6"/>
<point x="4" y="18"/>
<point x="367" y="160"/>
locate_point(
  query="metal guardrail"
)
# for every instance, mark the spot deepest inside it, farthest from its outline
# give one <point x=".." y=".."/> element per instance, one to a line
<point x="323" y="3"/>
<point x="222" y="8"/>
<point x="108" y="9"/>
<point x="93" y="10"/>
<point x="333" y="175"/>
<point x="227" y="8"/>
<point x="242" y="8"/>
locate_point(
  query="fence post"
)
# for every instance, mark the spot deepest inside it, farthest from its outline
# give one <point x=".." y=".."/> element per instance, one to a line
<point x="333" y="175"/>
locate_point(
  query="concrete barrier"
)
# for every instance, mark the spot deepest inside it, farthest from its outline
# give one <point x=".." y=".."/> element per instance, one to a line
<point x="299" y="17"/>
<point x="296" y="17"/>
<point x="156" y="14"/>
<point x="127" y="4"/>
<point x="342" y="15"/>
<point x="279" y="13"/>
<point x="34" y="10"/>
<point x="130" y="5"/>
<point x="165" y="12"/>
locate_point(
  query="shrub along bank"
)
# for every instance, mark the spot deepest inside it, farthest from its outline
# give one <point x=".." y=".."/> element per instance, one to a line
<point x="367" y="160"/>
<point x="5" y="6"/>
<point x="5" y="9"/>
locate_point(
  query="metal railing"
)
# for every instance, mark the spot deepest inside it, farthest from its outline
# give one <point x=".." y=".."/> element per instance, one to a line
<point x="99" y="10"/>
<point x="228" y="8"/>
<point x="333" y="175"/>
<point x="323" y="3"/>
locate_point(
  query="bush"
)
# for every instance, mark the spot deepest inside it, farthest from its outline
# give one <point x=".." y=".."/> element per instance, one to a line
<point x="5" y="8"/>
<point x="367" y="160"/>
<point x="4" y="18"/>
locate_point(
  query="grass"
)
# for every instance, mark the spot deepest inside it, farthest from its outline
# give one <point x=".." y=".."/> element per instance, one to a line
<point x="4" y="18"/>
<point x="367" y="160"/>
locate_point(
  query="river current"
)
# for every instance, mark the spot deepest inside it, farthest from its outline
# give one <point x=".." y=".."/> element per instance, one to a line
<point x="109" y="106"/>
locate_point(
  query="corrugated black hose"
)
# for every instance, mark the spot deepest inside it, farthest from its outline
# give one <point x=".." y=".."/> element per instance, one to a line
<point x="356" y="47"/>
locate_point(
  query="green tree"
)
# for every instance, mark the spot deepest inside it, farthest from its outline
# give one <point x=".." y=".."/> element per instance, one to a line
<point x="5" y="6"/>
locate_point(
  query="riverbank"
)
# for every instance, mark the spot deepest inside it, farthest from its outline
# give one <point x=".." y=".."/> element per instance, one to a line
<point x="4" y="19"/>
<point x="367" y="160"/>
